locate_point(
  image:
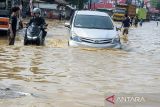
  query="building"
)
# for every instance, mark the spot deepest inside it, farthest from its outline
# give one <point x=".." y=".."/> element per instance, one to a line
<point x="95" y="4"/>
<point x="50" y="9"/>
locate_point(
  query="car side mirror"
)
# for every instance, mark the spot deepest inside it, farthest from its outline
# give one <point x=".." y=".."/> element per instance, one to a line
<point x="67" y="24"/>
<point x="118" y="29"/>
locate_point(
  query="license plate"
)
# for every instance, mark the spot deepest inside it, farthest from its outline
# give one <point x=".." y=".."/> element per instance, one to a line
<point x="3" y="23"/>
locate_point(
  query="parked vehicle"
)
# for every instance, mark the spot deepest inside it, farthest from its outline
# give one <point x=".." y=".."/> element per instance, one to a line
<point x="4" y="15"/>
<point x="122" y="9"/>
<point x="5" y="12"/>
<point x="93" y="29"/>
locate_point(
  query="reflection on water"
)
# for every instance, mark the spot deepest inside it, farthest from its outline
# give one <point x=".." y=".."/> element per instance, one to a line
<point x="79" y="77"/>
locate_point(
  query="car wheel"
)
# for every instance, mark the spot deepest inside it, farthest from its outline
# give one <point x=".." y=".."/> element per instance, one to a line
<point x="25" y="42"/>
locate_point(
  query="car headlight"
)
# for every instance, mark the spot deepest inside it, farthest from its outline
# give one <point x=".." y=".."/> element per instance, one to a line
<point x="75" y="37"/>
<point x="116" y="39"/>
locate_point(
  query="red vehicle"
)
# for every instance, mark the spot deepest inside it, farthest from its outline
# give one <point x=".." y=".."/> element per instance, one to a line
<point x="5" y="6"/>
<point x="5" y="12"/>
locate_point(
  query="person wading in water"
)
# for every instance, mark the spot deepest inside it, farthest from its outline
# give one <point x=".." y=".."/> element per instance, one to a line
<point x="126" y="25"/>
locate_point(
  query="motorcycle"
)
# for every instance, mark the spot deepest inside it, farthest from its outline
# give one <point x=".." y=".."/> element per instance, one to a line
<point x="34" y="34"/>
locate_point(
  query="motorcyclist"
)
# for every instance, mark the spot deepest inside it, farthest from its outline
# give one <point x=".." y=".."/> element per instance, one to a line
<point x="38" y="20"/>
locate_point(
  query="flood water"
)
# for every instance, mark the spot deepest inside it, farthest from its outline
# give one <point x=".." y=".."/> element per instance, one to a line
<point x="62" y="76"/>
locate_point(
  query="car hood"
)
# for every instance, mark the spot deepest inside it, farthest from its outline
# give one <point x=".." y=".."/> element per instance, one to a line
<point x="95" y="33"/>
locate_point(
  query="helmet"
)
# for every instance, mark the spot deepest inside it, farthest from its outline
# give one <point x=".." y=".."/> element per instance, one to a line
<point x="37" y="11"/>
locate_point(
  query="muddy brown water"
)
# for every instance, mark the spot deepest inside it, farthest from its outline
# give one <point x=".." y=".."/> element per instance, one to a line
<point x="63" y="76"/>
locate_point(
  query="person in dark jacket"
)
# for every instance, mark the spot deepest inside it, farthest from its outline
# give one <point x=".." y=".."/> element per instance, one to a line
<point x="126" y="24"/>
<point x="13" y="24"/>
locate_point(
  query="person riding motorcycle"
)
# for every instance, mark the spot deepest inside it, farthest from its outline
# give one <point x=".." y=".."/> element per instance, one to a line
<point x="38" y="20"/>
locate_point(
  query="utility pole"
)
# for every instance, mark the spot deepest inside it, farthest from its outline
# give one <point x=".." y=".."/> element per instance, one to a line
<point x="90" y="4"/>
<point x="116" y="3"/>
<point x="78" y="4"/>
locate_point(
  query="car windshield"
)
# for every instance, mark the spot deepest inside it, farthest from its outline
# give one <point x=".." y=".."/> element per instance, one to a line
<point x="93" y="22"/>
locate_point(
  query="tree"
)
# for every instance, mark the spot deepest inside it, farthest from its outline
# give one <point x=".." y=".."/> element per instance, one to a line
<point x="155" y="3"/>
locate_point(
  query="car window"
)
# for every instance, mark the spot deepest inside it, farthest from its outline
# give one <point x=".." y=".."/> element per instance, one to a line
<point x="93" y="22"/>
<point x="2" y="5"/>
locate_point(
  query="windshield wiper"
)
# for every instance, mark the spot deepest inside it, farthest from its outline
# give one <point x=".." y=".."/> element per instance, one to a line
<point x="93" y="27"/>
<point x="102" y="28"/>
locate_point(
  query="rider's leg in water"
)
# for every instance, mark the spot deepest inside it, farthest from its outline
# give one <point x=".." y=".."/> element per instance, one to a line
<point x="12" y="39"/>
<point x="44" y="34"/>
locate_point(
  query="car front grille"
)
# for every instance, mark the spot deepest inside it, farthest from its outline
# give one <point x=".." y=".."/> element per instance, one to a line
<point x="104" y="41"/>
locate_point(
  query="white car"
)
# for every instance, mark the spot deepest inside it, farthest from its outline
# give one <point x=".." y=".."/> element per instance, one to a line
<point x="93" y="29"/>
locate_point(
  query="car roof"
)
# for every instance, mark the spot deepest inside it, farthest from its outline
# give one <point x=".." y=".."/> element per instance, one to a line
<point x="89" y="12"/>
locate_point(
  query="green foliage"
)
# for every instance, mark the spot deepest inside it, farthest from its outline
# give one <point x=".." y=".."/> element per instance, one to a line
<point x="155" y="3"/>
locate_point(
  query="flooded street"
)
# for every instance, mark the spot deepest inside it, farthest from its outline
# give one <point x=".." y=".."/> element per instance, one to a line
<point x="56" y="75"/>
